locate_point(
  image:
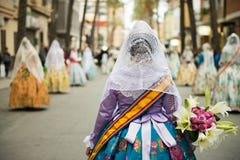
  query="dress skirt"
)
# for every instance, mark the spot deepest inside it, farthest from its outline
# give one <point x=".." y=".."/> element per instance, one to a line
<point x="227" y="88"/>
<point x="77" y="75"/>
<point x="92" y="73"/>
<point x="57" y="80"/>
<point x="186" y="74"/>
<point x="27" y="91"/>
<point x="118" y="148"/>
<point x="204" y="79"/>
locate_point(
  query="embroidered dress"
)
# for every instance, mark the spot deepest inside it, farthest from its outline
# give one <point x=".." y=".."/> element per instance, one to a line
<point x="56" y="77"/>
<point x="227" y="87"/>
<point x="26" y="91"/>
<point x="77" y="75"/>
<point x="206" y="73"/>
<point x="135" y="118"/>
<point x="187" y="72"/>
<point x="142" y="139"/>
<point x="27" y="87"/>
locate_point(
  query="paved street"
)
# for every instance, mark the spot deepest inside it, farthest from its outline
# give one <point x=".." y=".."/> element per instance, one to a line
<point x="56" y="133"/>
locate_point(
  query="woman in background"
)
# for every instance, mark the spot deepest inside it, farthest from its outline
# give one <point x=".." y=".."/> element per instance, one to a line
<point x="173" y="61"/>
<point x="77" y="75"/>
<point x="206" y="73"/>
<point x="227" y="86"/>
<point x="56" y="78"/>
<point x="88" y="64"/>
<point x="187" y="72"/>
<point x="27" y="87"/>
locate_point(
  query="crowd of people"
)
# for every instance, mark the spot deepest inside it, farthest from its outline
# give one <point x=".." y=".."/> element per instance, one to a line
<point x="35" y="75"/>
<point x="217" y="72"/>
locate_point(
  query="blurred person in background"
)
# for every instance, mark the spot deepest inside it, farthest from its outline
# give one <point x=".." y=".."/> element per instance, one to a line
<point x="173" y="61"/>
<point x="56" y="77"/>
<point x="227" y="86"/>
<point x="187" y="72"/>
<point x="88" y="64"/>
<point x="206" y="73"/>
<point x="77" y="75"/>
<point x="104" y="60"/>
<point x="7" y="61"/>
<point x="27" y="89"/>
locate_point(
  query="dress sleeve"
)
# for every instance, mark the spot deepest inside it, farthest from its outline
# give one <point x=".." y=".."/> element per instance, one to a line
<point x="170" y="105"/>
<point x="105" y="112"/>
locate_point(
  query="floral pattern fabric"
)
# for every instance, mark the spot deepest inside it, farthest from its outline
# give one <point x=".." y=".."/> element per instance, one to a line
<point x="57" y="81"/>
<point x="205" y="79"/>
<point x="118" y="148"/>
<point x="27" y="91"/>
<point x="227" y="87"/>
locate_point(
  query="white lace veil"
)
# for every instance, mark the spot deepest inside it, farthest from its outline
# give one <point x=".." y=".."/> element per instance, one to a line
<point x="140" y="64"/>
<point x="55" y="56"/>
<point x="230" y="48"/>
<point x="27" y="55"/>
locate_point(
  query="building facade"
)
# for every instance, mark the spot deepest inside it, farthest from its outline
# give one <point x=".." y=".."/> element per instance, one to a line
<point x="37" y="20"/>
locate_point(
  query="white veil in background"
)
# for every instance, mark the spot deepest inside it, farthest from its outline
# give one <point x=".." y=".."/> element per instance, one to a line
<point x="27" y="55"/>
<point x="55" y="56"/>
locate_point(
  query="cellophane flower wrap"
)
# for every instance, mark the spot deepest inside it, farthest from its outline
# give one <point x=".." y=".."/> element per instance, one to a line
<point x="203" y="123"/>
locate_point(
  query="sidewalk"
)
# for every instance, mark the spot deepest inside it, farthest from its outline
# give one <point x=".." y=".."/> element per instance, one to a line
<point x="5" y="82"/>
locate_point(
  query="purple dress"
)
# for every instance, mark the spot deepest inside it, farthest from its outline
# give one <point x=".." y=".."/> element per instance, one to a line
<point x="150" y="136"/>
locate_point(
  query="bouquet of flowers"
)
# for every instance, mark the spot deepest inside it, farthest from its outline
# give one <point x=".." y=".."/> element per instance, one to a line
<point x="203" y="123"/>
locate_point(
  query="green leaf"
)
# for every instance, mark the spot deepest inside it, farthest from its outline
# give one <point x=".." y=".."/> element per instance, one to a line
<point x="193" y="135"/>
<point x="207" y="96"/>
<point x="186" y="103"/>
<point x="216" y="117"/>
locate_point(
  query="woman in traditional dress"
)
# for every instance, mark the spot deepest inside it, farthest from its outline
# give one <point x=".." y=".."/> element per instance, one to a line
<point x="206" y="73"/>
<point x="89" y="66"/>
<point x="187" y="72"/>
<point x="135" y="119"/>
<point x="104" y="61"/>
<point x="174" y="61"/>
<point x="227" y="87"/>
<point x="56" y="78"/>
<point x="27" y="85"/>
<point x="77" y="75"/>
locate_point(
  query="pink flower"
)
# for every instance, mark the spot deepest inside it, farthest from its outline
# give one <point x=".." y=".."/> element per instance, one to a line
<point x="203" y="120"/>
<point x="202" y="127"/>
<point x="194" y="127"/>
<point x="154" y="144"/>
<point x="176" y="152"/>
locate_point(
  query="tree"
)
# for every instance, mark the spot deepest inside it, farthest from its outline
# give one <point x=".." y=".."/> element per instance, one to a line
<point x="114" y="4"/>
<point x="82" y="24"/>
<point x="193" y="24"/>
<point x="93" y="25"/>
<point x="52" y="27"/>
<point x="182" y="26"/>
<point x="69" y="24"/>
<point x="157" y="6"/>
<point x="143" y="10"/>
<point x="213" y="16"/>
<point x="22" y="12"/>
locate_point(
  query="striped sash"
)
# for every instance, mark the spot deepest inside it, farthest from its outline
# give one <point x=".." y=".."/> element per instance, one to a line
<point x="229" y="62"/>
<point x="143" y="102"/>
